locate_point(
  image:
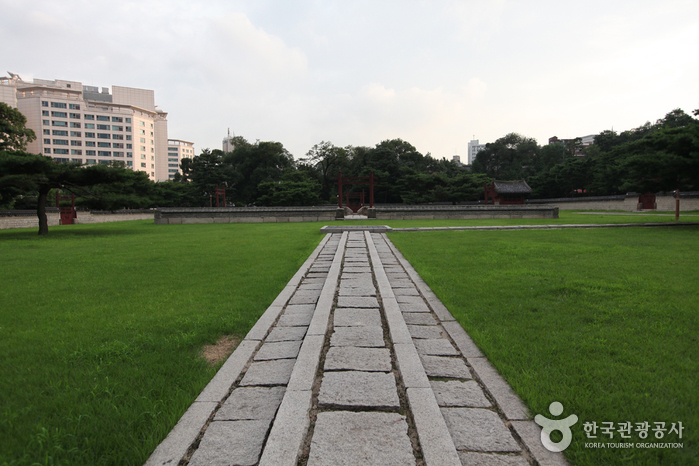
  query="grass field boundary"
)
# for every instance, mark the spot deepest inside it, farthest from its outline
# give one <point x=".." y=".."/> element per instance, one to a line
<point x="549" y="227"/>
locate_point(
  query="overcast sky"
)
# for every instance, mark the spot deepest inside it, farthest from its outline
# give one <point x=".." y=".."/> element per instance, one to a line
<point x="355" y="72"/>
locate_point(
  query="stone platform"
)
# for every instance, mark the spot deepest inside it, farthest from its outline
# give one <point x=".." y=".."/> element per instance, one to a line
<point x="356" y="363"/>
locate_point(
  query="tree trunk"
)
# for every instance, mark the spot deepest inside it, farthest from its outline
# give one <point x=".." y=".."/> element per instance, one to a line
<point x="41" y="209"/>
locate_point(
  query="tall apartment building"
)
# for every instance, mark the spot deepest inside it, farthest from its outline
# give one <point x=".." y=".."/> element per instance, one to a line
<point x="79" y="123"/>
<point x="176" y="151"/>
<point x="473" y="149"/>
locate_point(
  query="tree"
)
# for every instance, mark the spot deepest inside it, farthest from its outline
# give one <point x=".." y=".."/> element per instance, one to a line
<point x="14" y="135"/>
<point x="327" y="160"/>
<point x="511" y="157"/>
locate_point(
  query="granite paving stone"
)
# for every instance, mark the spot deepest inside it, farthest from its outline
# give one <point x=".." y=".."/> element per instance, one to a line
<point x="349" y="270"/>
<point x="357" y="336"/>
<point x="307" y="292"/>
<point x="363" y="302"/>
<point x="286" y="334"/>
<point x="304" y="299"/>
<point x="477" y="429"/>
<point x="311" y="286"/>
<point x="251" y="404"/>
<point x="276" y="372"/>
<point x="358" y="439"/>
<point x="419" y="318"/>
<point x="367" y="290"/>
<point x="351" y="358"/>
<point x="455" y="393"/>
<point x="278" y="350"/>
<point x="355" y="317"/>
<point x="435" y="347"/>
<point x="231" y="442"/>
<point x="358" y="389"/>
<point x="407" y="291"/>
<point x="295" y="320"/>
<point x="440" y="366"/>
<point x="472" y="458"/>
<point x="409" y="299"/>
<point x="299" y="309"/>
<point x="413" y="307"/>
<point x="425" y="331"/>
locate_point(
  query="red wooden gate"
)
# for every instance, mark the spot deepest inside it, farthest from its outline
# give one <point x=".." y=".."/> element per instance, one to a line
<point x="646" y="201"/>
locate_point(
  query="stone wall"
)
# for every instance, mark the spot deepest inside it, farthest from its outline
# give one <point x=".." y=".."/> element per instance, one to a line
<point x="465" y="212"/>
<point x="166" y="216"/>
<point x="28" y="219"/>
<point x="628" y="203"/>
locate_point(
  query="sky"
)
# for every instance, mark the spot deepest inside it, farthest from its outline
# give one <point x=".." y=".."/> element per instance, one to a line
<point x="434" y="73"/>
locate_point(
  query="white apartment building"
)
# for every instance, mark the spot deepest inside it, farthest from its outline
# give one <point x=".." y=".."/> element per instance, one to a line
<point x="84" y="124"/>
<point x="473" y="149"/>
<point x="176" y="151"/>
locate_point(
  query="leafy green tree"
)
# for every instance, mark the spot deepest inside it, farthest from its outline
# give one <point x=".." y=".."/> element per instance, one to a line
<point x="511" y="157"/>
<point x="296" y="188"/>
<point x="328" y="161"/>
<point x="14" y="135"/>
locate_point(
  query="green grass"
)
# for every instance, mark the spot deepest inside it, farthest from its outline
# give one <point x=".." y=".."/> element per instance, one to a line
<point x="604" y="321"/>
<point x="101" y="328"/>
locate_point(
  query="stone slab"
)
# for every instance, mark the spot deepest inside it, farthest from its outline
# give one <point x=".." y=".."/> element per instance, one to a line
<point x="499" y="389"/>
<point x="217" y="389"/>
<point x="304" y="299"/>
<point x="264" y="323"/>
<point x="437" y="445"/>
<point x="367" y="290"/>
<point x="175" y="446"/>
<point x="299" y="309"/>
<point x="406" y="292"/>
<point x="310" y="286"/>
<point x="286" y="334"/>
<point x="424" y="331"/>
<point x="362" y="302"/>
<point x="251" y="404"/>
<point x="278" y="350"/>
<point x="358" y="389"/>
<point x="472" y="458"/>
<point x="357" y="318"/>
<point x="435" y="347"/>
<point x="275" y="372"/>
<point x="530" y="434"/>
<point x="455" y="393"/>
<point x="477" y="429"/>
<point x="349" y="358"/>
<point x="414" y="307"/>
<point x="440" y="366"/>
<point x="289" y="430"/>
<point x="347" y="269"/>
<point x="406" y="299"/>
<point x="419" y="318"/>
<point x="346" y="438"/>
<point x="467" y="347"/>
<point x="303" y="375"/>
<point x="231" y="442"/>
<point x="294" y="320"/>
<point x="410" y="366"/>
<point x="358" y="336"/>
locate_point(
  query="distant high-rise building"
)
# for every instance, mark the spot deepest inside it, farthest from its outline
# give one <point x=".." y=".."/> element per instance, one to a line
<point x="228" y="144"/>
<point x="176" y="151"/>
<point x="473" y="149"/>
<point x="77" y="123"/>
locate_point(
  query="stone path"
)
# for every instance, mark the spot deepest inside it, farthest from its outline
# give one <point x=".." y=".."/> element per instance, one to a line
<point x="356" y="362"/>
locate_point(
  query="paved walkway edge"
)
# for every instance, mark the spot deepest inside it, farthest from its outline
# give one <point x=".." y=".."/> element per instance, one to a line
<point x="175" y="446"/>
<point x="550" y="227"/>
<point x="509" y="403"/>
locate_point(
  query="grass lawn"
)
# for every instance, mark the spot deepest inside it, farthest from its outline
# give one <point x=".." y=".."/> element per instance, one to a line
<point x="604" y="321"/>
<point x="101" y="328"/>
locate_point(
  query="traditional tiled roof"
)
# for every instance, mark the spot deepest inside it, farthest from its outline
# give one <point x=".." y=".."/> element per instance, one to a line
<point x="512" y="187"/>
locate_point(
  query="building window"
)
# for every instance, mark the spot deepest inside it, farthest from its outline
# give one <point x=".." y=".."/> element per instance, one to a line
<point x="103" y="136"/>
<point x="151" y="142"/>
<point x="143" y="165"/>
<point x="74" y="124"/>
<point x="117" y="128"/>
<point x="44" y="113"/>
<point x="129" y="163"/>
<point x="90" y="143"/>
<point x="142" y="131"/>
<point x="104" y="144"/>
<point x="89" y="135"/>
<point x="77" y="160"/>
<point x="76" y="152"/>
<point x="45" y="122"/>
<point x="143" y="156"/>
<point x="47" y="131"/>
<point x="75" y="116"/>
<point x="90" y="152"/>
<point x="47" y="141"/>
<point x="60" y="142"/>
<point x="89" y="117"/>
<point x="129" y="154"/>
<point x="59" y="114"/>
<point x="74" y="106"/>
<point x="58" y="105"/>
<point x="128" y="129"/>
<point x="141" y="123"/>
<point x="172" y="171"/>
<point x="118" y="145"/>
<point x="152" y="166"/>
<point x="60" y="132"/>
<point x="47" y="150"/>
<point x="129" y="146"/>
<point x="76" y="134"/>
<point x="102" y="118"/>
<point x="61" y="151"/>
<point x="76" y="143"/>
<point x="143" y="140"/>
<point x="128" y="137"/>
<point x="44" y="103"/>
<point x="105" y="162"/>
<point x="89" y="126"/>
<point x="59" y="123"/>
<point x="172" y="160"/>
<point x="143" y="148"/>
<point x="104" y="153"/>
<point x="128" y="120"/>
<point x="118" y="136"/>
<point x="61" y="160"/>
<point x="103" y="127"/>
<point x="172" y="165"/>
<point x="90" y="161"/>
<point x="118" y="154"/>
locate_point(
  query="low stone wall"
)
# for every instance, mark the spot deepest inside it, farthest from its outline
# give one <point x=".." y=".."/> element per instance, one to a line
<point x="28" y="219"/>
<point x="465" y="212"/>
<point x="628" y="203"/>
<point x="166" y="216"/>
